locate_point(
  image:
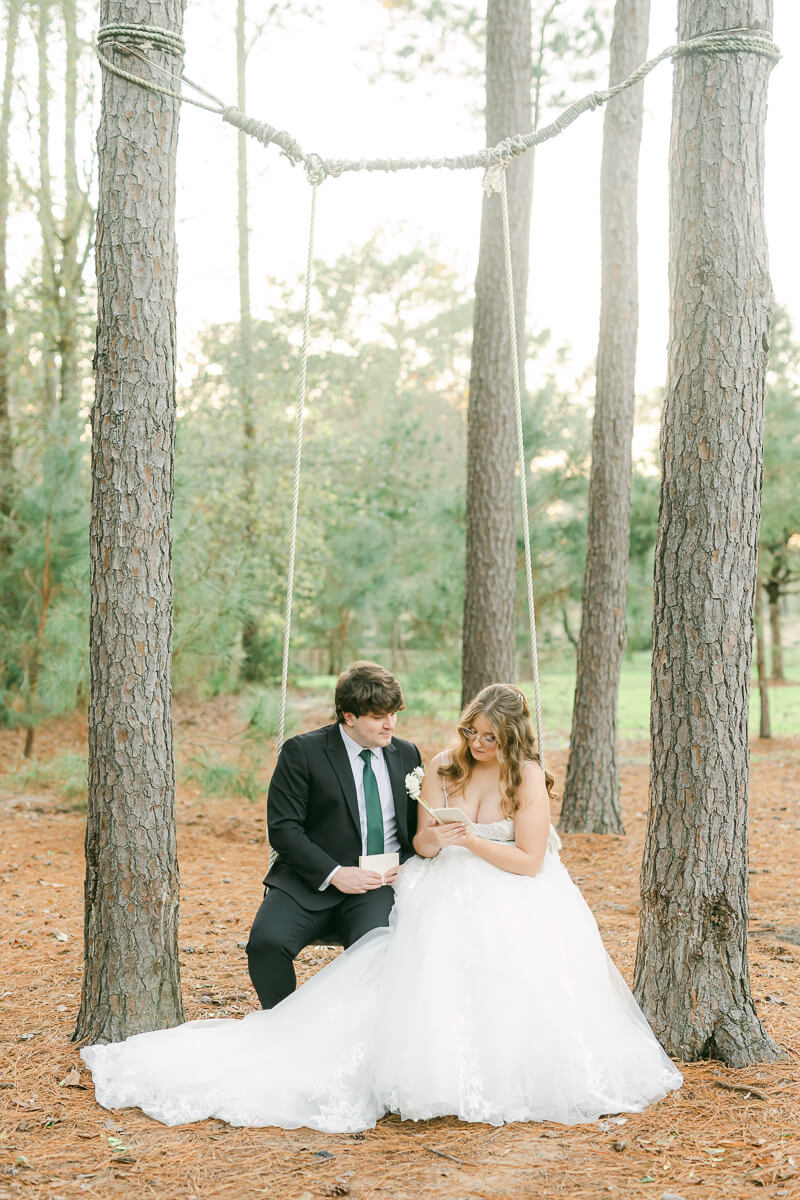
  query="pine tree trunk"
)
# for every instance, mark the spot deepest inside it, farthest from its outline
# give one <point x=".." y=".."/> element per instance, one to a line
<point x="131" y="980"/>
<point x="692" y="976"/>
<point x="6" y="437"/>
<point x="490" y="586"/>
<point x="591" y="792"/>
<point x="773" y="588"/>
<point x="765" y="729"/>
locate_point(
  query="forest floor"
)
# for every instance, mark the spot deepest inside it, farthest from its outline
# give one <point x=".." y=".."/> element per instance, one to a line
<point x="725" y="1134"/>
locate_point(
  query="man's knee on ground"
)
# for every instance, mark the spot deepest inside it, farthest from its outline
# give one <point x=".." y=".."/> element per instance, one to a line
<point x="266" y="939"/>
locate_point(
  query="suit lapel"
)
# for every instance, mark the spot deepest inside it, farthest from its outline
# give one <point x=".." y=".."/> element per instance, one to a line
<point x="397" y="778"/>
<point x="337" y="756"/>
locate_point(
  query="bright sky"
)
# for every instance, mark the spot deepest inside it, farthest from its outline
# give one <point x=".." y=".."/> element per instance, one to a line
<point x="314" y="80"/>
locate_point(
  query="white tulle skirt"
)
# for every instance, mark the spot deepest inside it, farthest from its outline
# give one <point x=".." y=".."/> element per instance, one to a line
<point x="490" y="997"/>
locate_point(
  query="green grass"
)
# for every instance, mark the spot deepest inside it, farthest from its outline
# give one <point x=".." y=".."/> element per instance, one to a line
<point x="558" y="688"/>
<point x="557" y="679"/>
<point x="65" y="774"/>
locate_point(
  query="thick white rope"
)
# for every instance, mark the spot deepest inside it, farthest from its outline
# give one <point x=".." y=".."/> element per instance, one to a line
<point x="121" y="38"/>
<point x="298" y="459"/>
<point x="496" y="180"/>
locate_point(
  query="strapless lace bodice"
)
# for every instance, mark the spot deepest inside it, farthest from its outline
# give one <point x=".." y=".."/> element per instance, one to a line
<point x="497" y="831"/>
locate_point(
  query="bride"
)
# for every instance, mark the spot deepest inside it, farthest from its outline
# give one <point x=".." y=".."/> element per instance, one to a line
<point x="490" y="995"/>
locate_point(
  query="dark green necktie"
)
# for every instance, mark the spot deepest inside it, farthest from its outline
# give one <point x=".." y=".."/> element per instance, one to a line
<point x="372" y="803"/>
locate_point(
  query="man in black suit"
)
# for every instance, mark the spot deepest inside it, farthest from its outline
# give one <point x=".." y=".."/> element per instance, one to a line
<point x="336" y="793"/>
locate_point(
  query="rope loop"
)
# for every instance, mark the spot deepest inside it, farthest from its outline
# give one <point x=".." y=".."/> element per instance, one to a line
<point x="142" y="35"/>
<point x="730" y="41"/>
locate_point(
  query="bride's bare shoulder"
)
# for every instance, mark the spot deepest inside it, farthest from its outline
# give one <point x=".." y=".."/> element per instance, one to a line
<point x="533" y="778"/>
<point x="442" y="759"/>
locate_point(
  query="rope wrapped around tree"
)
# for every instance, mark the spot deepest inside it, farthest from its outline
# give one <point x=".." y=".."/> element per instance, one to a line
<point x="131" y="39"/>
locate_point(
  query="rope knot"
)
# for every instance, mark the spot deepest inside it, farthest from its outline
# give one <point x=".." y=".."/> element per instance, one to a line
<point x="509" y="148"/>
<point x="316" y="170"/>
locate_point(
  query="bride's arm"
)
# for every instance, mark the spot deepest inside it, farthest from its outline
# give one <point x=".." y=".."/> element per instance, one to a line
<point x="531" y="829"/>
<point x="431" y="837"/>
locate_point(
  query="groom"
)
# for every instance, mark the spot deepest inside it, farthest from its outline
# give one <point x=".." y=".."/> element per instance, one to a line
<point x="336" y="793"/>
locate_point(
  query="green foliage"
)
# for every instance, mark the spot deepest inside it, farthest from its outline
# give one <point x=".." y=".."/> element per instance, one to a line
<point x="381" y="523"/>
<point x="217" y="777"/>
<point x="780" y="516"/>
<point x="379" y="568"/>
<point x="44" y="574"/>
<point x="644" y="528"/>
<point x="66" y="774"/>
<point x="261" y="709"/>
<point x="557" y="431"/>
<point x="428" y="39"/>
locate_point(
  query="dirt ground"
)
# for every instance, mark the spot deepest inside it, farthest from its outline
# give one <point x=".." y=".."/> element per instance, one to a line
<point x="725" y="1134"/>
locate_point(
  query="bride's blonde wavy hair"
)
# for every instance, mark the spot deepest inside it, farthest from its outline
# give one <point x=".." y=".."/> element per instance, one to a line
<point x="506" y="709"/>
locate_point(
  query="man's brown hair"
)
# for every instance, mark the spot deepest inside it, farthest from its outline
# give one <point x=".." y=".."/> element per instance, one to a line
<point x="365" y="688"/>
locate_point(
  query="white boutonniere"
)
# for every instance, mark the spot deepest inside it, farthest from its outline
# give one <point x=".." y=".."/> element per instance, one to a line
<point x="414" y="782"/>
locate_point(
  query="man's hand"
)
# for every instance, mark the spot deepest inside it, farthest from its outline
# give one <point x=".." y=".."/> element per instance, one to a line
<point x="354" y="882"/>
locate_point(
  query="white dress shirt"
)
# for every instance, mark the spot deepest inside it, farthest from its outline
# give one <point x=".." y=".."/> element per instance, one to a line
<point x="391" y="841"/>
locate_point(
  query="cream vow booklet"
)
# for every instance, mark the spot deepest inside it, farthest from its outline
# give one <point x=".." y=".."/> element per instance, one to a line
<point x="379" y="862"/>
<point x="452" y="816"/>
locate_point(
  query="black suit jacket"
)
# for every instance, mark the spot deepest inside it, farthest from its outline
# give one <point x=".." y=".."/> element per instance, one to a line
<point x="312" y="812"/>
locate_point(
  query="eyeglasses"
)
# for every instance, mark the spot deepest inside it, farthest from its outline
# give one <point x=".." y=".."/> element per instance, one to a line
<point x="487" y="740"/>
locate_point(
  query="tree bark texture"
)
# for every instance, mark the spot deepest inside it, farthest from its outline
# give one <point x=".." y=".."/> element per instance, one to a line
<point x="131" y="979"/>
<point x="592" y="789"/>
<point x="692" y="975"/>
<point x="489" y="629"/>
<point x="6" y="438"/>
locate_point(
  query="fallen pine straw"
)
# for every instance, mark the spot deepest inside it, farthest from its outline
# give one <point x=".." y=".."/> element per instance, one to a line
<point x="743" y="1087"/>
<point x="708" y="1142"/>
<point x="461" y="1161"/>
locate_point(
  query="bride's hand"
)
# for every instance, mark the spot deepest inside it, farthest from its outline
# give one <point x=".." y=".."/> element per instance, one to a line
<point x="429" y="840"/>
<point x="451" y="834"/>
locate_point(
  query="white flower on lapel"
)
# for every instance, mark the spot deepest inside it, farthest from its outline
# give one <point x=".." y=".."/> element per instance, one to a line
<point x="414" y="782"/>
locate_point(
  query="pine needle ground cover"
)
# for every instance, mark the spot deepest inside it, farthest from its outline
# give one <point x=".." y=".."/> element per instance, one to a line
<point x="726" y="1134"/>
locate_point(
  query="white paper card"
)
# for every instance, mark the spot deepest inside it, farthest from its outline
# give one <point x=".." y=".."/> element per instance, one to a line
<point x="379" y="862"/>
<point x="451" y="816"/>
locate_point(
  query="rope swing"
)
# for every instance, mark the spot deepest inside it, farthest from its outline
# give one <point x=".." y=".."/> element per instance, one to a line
<point x="127" y="39"/>
<point x="133" y="40"/>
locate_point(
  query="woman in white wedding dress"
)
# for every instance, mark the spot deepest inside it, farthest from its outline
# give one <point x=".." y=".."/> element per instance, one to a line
<point x="489" y="997"/>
